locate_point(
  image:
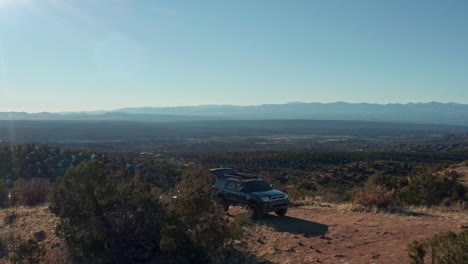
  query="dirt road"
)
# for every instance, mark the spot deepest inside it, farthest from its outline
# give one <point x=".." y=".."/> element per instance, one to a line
<point x="334" y="235"/>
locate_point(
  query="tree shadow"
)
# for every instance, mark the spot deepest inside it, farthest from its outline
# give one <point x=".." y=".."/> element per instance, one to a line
<point x="294" y="225"/>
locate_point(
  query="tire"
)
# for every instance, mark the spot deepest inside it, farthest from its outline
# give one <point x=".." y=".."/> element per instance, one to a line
<point x="254" y="211"/>
<point x="282" y="212"/>
<point x="224" y="203"/>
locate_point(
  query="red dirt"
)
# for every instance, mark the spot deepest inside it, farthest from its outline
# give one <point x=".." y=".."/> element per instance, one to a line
<point x="326" y="235"/>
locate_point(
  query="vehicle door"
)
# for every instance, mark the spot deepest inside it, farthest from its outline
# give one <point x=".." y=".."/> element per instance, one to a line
<point x="230" y="191"/>
<point x="240" y="194"/>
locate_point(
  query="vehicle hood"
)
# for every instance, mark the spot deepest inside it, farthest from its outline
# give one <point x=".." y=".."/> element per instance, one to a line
<point x="269" y="193"/>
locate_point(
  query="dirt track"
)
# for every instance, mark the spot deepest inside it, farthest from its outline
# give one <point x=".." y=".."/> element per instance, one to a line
<point x="329" y="235"/>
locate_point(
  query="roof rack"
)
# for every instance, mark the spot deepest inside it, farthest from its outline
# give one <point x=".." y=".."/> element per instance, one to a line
<point x="232" y="173"/>
<point x="241" y="176"/>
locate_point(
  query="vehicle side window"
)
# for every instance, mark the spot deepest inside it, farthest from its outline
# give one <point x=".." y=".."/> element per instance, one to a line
<point x="238" y="186"/>
<point x="230" y="185"/>
<point x="220" y="183"/>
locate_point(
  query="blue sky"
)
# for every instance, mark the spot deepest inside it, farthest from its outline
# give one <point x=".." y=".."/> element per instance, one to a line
<point x="58" y="55"/>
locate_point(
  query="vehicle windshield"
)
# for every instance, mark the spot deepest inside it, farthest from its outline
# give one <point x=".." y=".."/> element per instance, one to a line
<point x="257" y="186"/>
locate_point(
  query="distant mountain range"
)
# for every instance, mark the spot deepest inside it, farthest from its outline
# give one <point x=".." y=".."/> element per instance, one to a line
<point x="432" y="113"/>
<point x="105" y="116"/>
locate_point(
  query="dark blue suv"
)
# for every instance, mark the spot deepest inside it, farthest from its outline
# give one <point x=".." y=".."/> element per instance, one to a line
<point x="234" y="188"/>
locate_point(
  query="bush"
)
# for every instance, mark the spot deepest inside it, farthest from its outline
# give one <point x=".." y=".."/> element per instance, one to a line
<point x="440" y="249"/>
<point x="28" y="252"/>
<point x="195" y="224"/>
<point x="426" y="189"/>
<point x="385" y="180"/>
<point x="3" y="194"/>
<point x="374" y="197"/>
<point x="31" y="192"/>
<point x="106" y="215"/>
<point x="3" y="247"/>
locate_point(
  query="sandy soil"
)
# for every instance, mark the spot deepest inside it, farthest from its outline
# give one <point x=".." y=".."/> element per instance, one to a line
<point x="333" y="235"/>
<point x="28" y="221"/>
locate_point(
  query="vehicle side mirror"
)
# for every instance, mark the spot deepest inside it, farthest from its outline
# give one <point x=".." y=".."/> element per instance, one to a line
<point x="242" y="189"/>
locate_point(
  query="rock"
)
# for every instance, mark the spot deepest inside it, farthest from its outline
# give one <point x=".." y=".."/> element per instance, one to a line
<point x="9" y="219"/>
<point x="39" y="236"/>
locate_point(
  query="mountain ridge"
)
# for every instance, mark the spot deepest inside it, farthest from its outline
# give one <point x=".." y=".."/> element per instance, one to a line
<point x="431" y="113"/>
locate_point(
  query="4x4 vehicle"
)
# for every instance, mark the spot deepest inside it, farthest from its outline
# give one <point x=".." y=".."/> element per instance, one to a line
<point x="234" y="188"/>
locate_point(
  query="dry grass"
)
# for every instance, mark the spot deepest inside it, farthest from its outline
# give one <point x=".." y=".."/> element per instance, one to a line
<point x="458" y="211"/>
<point x="29" y="220"/>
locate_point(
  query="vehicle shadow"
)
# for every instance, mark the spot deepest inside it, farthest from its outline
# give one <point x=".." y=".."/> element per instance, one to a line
<point x="294" y="225"/>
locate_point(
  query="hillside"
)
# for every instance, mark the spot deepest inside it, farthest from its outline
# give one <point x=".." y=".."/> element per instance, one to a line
<point x="322" y="233"/>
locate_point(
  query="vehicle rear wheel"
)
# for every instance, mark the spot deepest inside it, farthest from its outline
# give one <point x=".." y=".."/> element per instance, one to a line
<point x="224" y="203"/>
<point x="281" y="212"/>
<point x="254" y="211"/>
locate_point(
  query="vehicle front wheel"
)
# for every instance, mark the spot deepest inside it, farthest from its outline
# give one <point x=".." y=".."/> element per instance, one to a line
<point x="254" y="211"/>
<point x="281" y="212"/>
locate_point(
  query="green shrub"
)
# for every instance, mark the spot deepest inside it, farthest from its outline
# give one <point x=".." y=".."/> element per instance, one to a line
<point x="3" y="194"/>
<point x="105" y="215"/>
<point x="28" y="252"/>
<point x="385" y="180"/>
<point x="3" y="246"/>
<point x="445" y="248"/>
<point x="299" y="194"/>
<point x="425" y="189"/>
<point x="195" y="224"/>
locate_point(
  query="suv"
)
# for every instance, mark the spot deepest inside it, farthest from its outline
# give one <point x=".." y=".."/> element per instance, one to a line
<point x="234" y="188"/>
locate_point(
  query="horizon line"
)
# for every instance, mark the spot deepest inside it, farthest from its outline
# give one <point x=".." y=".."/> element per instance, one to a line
<point x="201" y="105"/>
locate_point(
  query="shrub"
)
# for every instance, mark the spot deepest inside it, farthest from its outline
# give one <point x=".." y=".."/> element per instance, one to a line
<point x="374" y="197"/>
<point x="3" y="247"/>
<point x="384" y="180"/>
<point x="338" y="194"/>
<point x="106" y="215"/>
<point x="460" y="192"/>
<point x="3" y="194"/>
<point x="299" y="194"/>
<point x="195" y="224"/>
<point x="28" y="252"/>
<point x="426" y="189"/>
<point x="440" y="249"/>
<point x="31" y="192"/>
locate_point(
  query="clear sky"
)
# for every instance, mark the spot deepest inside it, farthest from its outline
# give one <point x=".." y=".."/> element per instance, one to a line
<point x="62" y="55"/>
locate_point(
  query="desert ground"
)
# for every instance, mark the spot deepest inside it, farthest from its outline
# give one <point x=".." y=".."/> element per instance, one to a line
<point x="337" y="234"/>
<point x="320" y="233"/>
